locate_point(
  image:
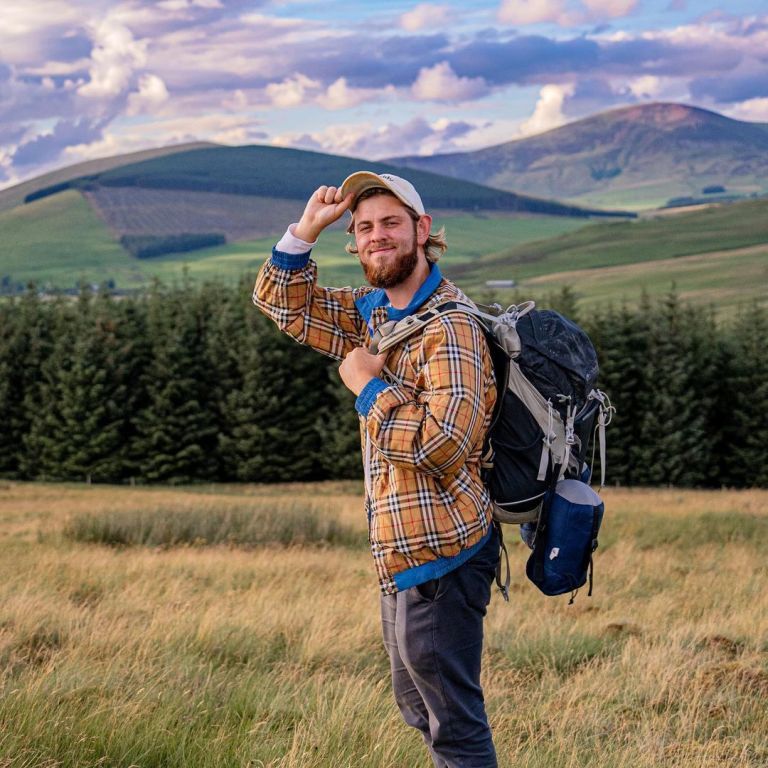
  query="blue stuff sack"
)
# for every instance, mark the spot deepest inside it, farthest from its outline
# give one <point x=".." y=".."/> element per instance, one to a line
<point x="564" y="539"/>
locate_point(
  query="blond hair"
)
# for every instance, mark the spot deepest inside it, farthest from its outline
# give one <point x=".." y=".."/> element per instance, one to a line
<point x="435" y="246"/>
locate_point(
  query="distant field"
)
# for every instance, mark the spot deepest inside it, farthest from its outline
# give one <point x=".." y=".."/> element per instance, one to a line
<point x="186" y="654"/>
<point x="630" y="247"/>
<point x="60" y="240"/>
<point x="712" y="255"/>
<point x="723" y="279"/>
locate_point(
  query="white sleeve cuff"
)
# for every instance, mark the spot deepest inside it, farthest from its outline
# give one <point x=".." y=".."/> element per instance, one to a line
<point x="289" y="243"/>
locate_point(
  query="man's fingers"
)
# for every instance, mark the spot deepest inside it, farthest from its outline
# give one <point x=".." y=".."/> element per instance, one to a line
<point x="330" y="195"/>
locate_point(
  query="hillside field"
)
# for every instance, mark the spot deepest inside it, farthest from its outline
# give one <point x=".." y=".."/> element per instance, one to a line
<point x="714" y="256"/>
<point x="129" y="638"/>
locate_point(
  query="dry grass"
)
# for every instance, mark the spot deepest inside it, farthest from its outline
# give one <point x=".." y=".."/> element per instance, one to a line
<point x="270" y="656"/>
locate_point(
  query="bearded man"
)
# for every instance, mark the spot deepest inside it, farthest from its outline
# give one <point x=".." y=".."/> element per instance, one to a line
<point x="425" y="407"/>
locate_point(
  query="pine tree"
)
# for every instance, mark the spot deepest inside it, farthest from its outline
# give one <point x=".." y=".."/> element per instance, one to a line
<point x="747" y="401"/>
<point x="176" y="431"/>
<point x="78" y="433"/>
<point x="672" y="444"/>
<point x="25" y="342"/>
<point x="272" y="432"/>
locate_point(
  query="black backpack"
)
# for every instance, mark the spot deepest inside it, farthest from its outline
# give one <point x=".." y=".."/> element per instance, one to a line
<point x="546" y="411"/>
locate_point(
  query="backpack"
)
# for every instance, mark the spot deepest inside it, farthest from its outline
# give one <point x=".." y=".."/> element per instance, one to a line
<point x="546" y="408"/>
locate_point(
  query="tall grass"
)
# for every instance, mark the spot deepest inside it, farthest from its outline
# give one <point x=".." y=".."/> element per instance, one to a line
<point x="220" y="655"/>
<point x="264" y="522"/>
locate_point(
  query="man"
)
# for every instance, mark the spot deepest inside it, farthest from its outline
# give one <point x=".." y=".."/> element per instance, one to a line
<point x="424" y="408"/>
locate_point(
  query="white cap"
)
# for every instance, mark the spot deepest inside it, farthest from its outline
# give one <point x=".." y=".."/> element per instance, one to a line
<point x="403" y="190"/>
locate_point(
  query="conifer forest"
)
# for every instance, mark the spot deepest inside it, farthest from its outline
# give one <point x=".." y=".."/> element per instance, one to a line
<point x="190" y="383"/>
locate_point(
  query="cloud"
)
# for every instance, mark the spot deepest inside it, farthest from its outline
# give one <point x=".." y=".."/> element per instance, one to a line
<point x="611" y="9"/>
<point x="441" y="83"/>
<point x="561" y="12"/>
<point x="48" y="146"/>
<point x="548" y="112"/>
<point x="646" y="87"/>
<point x="523" y="12"/>
<point x="339" y="95"/>
<point x="416" y="136"/>
<point x="424" y="15"/>
<point x="151" y="94"/>
<point x="293" y="91"/>
<point x="729" y="88"/>
<point x="115" y="57"/>
<point x="753" y="110"/>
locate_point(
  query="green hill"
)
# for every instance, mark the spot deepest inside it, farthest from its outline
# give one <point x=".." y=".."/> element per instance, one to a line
<point x="717" y="255"/>
<point x="636" y="157"/>
<point x="293" y="174"/>
<point x="13" y="196"/>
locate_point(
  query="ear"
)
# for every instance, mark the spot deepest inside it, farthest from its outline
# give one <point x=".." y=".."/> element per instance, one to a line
<point x="423" y="228"/>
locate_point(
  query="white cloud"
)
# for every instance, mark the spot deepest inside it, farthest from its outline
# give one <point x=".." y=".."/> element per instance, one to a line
<point x="235" y="102"/>
<point x="548" y="112"/>
<point x="339" y="95"/>
<point x="374" y="141"/>
<point x="183" y="5"/>
<point x="612" y="9"/>
<point x="754" y="110"/>
<point x="522" y="12"/>
<point x="441" y="83"/>
<point x="646" y="87"/>
<point x="293" y="91"/>
<point x="152" y="94"/>
<point x="114" y="59"/>
<point x="424" y="15"/>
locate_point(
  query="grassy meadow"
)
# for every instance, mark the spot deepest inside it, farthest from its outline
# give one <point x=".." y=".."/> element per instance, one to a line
<point x="238" y="626"/>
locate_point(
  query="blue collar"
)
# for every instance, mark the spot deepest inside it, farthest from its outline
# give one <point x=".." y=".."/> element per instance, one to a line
<point x="378" y="298"/>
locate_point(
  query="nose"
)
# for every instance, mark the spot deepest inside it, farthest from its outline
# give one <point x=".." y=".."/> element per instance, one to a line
<point x="377" y="232"/>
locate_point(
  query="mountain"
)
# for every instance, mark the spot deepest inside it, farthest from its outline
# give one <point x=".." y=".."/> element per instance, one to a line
<point x="221" y="209"/>
<point x="13" y="196"/>
<point x="639" y="157"/>
<point x="292" y="174"/>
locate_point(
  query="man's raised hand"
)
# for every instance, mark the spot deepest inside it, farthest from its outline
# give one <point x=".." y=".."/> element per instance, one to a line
<point x="324" y="207"/>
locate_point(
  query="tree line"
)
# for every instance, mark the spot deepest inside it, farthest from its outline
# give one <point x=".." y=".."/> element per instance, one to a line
<point x="191" y="383"/>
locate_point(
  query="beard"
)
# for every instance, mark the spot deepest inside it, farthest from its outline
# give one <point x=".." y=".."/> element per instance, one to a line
<point x="394" y="273"/>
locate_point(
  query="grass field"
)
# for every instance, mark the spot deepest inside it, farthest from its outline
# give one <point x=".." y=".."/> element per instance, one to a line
<point x="713" y="256"/>
<point x="60" y="240"/>
<point x="264" y="650"/>
<point x="723" y="279"/>
<point x="616" y="260"/>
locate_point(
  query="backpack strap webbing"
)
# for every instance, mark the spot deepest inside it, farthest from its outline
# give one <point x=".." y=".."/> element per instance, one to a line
<point x="503" y="586"/>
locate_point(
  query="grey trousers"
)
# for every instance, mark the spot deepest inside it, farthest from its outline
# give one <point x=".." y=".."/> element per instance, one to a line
<point x="433" y="634"/>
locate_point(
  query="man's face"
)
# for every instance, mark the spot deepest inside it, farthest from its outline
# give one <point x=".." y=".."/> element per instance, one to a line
<point x="387" y="240"/>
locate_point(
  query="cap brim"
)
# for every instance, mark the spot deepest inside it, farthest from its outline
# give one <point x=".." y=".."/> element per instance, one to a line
<point x="359" y="182"/>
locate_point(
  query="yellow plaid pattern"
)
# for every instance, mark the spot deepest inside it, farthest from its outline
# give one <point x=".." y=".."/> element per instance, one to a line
<point x="427" y="497"/>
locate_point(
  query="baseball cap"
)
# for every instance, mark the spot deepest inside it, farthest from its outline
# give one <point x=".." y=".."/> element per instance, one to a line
<point x="403" y="190"/>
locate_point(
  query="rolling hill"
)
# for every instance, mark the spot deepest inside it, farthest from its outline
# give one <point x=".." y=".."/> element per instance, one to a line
<point x="13" y="196"/>
<point x="635" y="157"/>
<point x="716" y="256"/>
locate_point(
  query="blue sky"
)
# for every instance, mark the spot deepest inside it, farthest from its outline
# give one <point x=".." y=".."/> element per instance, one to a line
<point x="91" y="78"/>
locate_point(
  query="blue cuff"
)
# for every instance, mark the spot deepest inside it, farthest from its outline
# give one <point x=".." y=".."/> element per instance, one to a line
<point x="290" y="260"/>
<point x="368" y="394"/>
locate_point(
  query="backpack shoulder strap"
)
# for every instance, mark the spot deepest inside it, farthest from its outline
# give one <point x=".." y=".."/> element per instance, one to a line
<point x="389" y="334"/>
<point x="501" y="326"/>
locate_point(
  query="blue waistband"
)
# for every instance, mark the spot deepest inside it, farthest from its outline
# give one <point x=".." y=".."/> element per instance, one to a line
<point x="437" y="568"/>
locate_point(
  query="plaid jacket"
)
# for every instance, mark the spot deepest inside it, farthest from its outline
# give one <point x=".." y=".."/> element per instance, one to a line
<point x="423" y="422"/>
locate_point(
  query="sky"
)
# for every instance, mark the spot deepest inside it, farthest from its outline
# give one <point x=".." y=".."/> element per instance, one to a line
<point x="83" y="79"/>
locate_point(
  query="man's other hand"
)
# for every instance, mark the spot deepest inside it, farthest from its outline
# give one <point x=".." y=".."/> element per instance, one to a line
<point x="324" y="207"/>
<point x="359" y="367"/>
